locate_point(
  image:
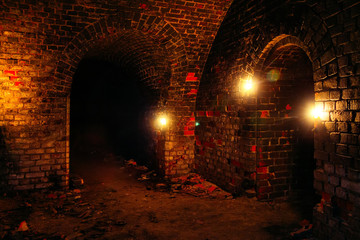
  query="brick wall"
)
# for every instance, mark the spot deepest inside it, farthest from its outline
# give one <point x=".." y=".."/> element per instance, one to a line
<point x="227" y="150"/>
<point x="42" y="43"/>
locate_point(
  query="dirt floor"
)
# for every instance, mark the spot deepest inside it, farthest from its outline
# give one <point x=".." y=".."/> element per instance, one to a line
<point x="117" y="202"/>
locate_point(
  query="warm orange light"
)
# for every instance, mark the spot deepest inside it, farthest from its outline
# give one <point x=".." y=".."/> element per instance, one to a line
<point x="162" y="121"/>
<point x="317" y="113"/>
<point x="247" y="85"/>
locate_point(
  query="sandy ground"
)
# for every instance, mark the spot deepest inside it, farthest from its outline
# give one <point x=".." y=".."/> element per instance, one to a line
<point x="114" y="204"/>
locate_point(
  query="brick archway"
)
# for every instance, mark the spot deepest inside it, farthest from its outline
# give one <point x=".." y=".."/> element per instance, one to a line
<point x="157" y="31"/>
<point x="283" y="136"/>
<point x="151" y="48"/>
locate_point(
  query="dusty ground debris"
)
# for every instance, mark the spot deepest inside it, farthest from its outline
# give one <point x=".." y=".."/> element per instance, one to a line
<point x="131" y="202"/>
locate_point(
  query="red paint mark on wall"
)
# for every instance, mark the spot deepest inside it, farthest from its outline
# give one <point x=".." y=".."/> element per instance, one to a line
<point x="288" y="107"/>
<point x="189" y="133"/>
<point x="143" y="6"/>
<point x="192" y="92"/>
<point x="191" y="77"/>
<point x="12" y="78"/>
<point x="265" y="114"/>
<point x="19" y="83"/>
<point x="200" y="5"/>
<point x="11" y="72"/>
<point x="253" y="148"/>
<point x="209" y="113"/>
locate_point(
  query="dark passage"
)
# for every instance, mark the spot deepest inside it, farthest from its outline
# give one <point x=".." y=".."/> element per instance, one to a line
<point x="108" y="117"/>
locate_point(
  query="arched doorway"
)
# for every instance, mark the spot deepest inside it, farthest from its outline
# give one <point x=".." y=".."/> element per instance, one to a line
<point x="285" y="137"/>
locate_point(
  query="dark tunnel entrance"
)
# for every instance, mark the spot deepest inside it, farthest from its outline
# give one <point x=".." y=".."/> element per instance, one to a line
<point x="109" y="115"/>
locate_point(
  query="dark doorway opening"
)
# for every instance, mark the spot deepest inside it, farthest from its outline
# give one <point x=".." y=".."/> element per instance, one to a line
<point x="288" y="72"/>
<point x="109" y="115"/>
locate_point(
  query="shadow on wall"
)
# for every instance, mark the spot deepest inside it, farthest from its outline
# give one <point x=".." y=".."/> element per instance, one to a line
<point x="5" y="164"/>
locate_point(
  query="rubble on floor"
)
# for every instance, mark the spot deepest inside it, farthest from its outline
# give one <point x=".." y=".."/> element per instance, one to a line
<point x="191" y="183"/>
<point x="195" y="185"/>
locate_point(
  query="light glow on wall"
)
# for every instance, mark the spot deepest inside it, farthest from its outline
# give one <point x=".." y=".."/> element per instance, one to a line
<point x="162" y="121"/>
<point x="247" y="85"/>
<point x="317" y="113"/>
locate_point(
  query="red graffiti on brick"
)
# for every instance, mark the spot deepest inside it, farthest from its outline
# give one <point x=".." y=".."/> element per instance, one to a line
<point x="189" y="133"/>
<point x="19" y="83"/>
<point x="191" y="77"/>
<point x="200" y="6"/>
<point x="11" y="72"/>
<point x="253" y="148"/>
<point x="288" y="107"/>
<point x="197" y="67"/>
<point x="265" y="114"/>
<point x="143" y="6"/>
<point x="12" y="78"/>
<point x="219" y="12"/>
<point x="198" y="143"/>
<point x="192" y="92"/>
<point x="219" y="142"/>
<point x="209" y="113"/>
